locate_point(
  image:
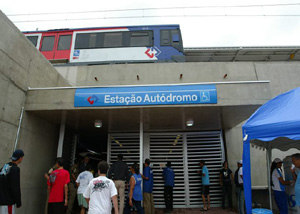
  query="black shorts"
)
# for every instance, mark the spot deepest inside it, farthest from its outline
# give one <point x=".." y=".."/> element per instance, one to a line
<point x="205" y="190"/>
<point x="56" y="208"/>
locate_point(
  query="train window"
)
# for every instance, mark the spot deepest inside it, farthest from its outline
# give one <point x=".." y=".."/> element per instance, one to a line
<point x="165" y="37"/>
<point x="141" y="39"/>
<point x="171" y="38"/>
<point x="112" y="40"/>
<point x="175" y="39"/>
<point x="48" y="43"/>
<point x="82" y="41"/>
<point x="33" y="39"/>
<point x="64" y="42"/>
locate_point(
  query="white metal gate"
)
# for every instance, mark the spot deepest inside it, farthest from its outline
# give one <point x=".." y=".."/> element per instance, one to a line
<point x="184" y="150"/>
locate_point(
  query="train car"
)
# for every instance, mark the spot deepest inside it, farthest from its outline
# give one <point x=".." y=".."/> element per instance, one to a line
<point x="157" y="43"/>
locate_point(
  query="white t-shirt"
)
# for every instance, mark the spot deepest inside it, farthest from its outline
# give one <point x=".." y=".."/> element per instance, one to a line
<point x="100" y="191"/>
<point x="83" y="179"/>
<point x="275" y="180"/>
<point x="240" y="173"/>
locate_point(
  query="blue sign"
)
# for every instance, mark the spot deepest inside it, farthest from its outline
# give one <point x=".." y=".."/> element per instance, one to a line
<point x="145" y="95"/>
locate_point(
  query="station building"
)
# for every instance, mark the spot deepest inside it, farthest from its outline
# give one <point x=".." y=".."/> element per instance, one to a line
<point x="178" y="112"/>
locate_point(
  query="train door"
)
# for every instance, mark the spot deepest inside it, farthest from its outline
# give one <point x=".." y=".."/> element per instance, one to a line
<point x="63" y="46"/>
<point x="56" y="45"/>
<point x="47" y="45"/>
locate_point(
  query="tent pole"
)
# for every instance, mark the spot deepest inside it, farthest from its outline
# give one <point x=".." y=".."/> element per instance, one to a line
<point x="269" y="157"/>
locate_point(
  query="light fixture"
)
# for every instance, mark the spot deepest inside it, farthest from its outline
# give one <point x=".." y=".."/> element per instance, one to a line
<point x="98" y="123"/>
<point x="190" y="122"/>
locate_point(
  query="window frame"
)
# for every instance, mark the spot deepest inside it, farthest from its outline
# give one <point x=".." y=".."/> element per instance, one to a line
<point x="126" y="39"/>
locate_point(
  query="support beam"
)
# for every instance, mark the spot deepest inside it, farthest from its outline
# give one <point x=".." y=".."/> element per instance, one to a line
<point x="269" y="157"/>
<point x="61" y="134"/>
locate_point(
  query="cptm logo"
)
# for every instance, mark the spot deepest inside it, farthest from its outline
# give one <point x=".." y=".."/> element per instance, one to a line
<point x="93" y="99"/>
<point x="152" y="51"/>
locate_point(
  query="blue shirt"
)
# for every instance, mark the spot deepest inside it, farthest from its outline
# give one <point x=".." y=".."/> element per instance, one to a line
<point x="205" y="179"/>
<point x="148" y="184"/>
<point x="168" y="174"/>
<point x="297" y="190"/>
<point x="137" y="191"/>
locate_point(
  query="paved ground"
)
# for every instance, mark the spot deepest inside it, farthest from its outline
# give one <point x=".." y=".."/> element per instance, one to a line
<point x="197" y="210"/>
<point x="190" y="211"/>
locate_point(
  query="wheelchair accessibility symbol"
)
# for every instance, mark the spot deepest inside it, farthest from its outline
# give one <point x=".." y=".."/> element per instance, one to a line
<point x="204" y="96"/>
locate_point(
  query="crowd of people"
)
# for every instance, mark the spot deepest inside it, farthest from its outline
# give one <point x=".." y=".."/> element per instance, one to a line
<point x="97" y="195"/>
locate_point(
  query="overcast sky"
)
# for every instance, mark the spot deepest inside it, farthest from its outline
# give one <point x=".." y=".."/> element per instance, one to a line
<point x="214" y="23"/>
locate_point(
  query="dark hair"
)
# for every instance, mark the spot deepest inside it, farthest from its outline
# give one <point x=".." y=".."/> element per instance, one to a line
<point x="202" y="161"/>
<point x="60" y="161"/>
<point x="103" y="167"/>
<point x="273" y="167"/>
<point x="135" y="168"/>
<point x="224" y="163"/>
<point x="296" y="156"/>
<point x="120" y="156"/>
<point x="169" y="164"/>
<point x="147" y="161"/>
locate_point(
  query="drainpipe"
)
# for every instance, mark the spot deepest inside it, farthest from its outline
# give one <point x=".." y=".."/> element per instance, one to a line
<point x="19" y="127"/>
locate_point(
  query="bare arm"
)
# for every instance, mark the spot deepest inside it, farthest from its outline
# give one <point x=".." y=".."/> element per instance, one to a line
<point x="77" y="184"/>
<point x="115" y="203"/>
<point x="66" y="194"/>
<point x="283" y="181"/>
<point x="132" y="183"/>
<point x="87" y="200"/>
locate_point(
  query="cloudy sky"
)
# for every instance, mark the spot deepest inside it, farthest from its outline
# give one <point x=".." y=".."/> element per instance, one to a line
<point x="214" y="23"/>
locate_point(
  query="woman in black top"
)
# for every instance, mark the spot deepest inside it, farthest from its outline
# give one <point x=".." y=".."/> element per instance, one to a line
<point x="226" y="179"/>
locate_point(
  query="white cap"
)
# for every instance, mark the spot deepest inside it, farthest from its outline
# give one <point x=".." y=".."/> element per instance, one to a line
<point x="240" y="162"/>
<point x="277" y="160"/>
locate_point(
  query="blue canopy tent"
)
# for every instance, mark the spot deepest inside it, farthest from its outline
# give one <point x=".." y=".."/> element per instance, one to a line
<point x="276" y="124"/>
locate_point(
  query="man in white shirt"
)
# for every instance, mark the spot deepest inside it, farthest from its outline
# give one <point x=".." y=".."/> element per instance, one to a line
<point x="100" y="192"/>
<point x="241" y="195"/>
<point x="82" y="183"/>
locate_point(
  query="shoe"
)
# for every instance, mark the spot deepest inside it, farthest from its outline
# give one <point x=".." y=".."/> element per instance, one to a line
<point x="203" y="209"/>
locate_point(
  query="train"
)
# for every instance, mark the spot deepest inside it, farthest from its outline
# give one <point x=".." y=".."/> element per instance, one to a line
<point x="153" y="43"/>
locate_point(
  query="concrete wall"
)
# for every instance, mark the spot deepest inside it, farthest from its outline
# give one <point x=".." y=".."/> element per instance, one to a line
<point x="22" y="66"/>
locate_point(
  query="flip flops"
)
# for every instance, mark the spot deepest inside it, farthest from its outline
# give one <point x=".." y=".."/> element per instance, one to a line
<point x="203" y="209"/>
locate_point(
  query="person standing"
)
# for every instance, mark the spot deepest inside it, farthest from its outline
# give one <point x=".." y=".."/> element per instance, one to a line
<point x="58" y="188"/>
<point x="205" y="185"/>
<point x="82" y="183"/>
<point x="168" y="175"/>
<point x="226" y="179"/>
<point x="148" y="188"/>
<point x="278" y="186"/>
<point x="100" y="192"/>
<point x="296" y="162"/>
<point x="119" y="173"/>
<point x="239" y="187"/>
<point x="10" y="189"/>
<point x="135" y="195"/>
<point x="72" y="186"/>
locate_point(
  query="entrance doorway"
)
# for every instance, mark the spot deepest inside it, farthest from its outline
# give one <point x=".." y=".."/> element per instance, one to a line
<point x="184" y="150"/>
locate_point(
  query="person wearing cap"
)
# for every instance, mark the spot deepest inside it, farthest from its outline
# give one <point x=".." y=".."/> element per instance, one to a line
<point x="10" y="190"/>
<point x="168" y="175"/>
<point x="148" y="188"/>
<point x="238" y="179"/>
<point x="278" y="186"/>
